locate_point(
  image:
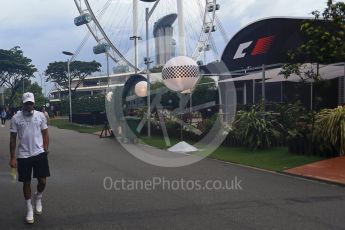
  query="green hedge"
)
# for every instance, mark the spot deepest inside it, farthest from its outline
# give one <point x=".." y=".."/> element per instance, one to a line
<point x="84" y="104"/>
<point x="321" y="134"/>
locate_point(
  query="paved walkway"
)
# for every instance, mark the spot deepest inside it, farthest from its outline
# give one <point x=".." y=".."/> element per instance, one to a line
<point x="76" y="197"/>
<point x="332" y="170"/>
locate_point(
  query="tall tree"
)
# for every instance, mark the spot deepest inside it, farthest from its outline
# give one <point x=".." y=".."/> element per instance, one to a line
<point x="28" y="87"/>
<point x="170" y="99"/>
<point x="57" y="72"/>
<point x="325" y="41"/>
<point x="205" y="92"/>
<point x="15" y="69"/>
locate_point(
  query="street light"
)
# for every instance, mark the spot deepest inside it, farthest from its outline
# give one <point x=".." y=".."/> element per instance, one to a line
<point x="43" y="91"/>
<point x="69" y="82"/>
<point x="140" y="89"/>
<point x="102" y="48"/>
<point x="148" y="14"/>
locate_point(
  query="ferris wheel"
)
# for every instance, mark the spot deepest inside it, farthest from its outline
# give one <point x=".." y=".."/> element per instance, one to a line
<point x="119" y="25"/>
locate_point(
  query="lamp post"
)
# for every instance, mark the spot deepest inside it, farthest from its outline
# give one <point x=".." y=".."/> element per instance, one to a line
<point x="140" y="89"/>
<point x="180" y="74"/>
<point x="43" y="91"/>
<point x="148" y="62"/>
<point x="135" y="36"/>
<point x="69" y="82"/>
<point x="100" y="49"/>
<point x="108" y="75"/>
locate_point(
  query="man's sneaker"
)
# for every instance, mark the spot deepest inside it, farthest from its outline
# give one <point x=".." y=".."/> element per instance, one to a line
<point x="38" y="204"/>
<point x="29" y="217"/>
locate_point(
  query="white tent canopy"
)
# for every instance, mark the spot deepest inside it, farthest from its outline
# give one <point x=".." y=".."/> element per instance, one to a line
<point x="327" y="72"/>
<point x="255" y="76"/>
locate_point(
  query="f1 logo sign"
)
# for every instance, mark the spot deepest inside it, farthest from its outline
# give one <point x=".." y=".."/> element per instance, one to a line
<point x="262" y="46"/>
<point x="241" y="48"/>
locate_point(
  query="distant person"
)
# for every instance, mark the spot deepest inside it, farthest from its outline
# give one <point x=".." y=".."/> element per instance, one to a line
<point x="53" y="112"/>
<point x="45" y="114"/>
<point x="9" y="113"/>
<point x="3" y="116"/>
<point x="32" y="130"/>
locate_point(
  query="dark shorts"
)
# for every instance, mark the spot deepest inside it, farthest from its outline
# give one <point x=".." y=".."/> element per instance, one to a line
<point x="38" y="164"/>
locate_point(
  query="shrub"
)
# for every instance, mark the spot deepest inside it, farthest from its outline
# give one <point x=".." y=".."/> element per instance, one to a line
<point x="233" y="138"/>
<point x="329" y="130"/>
<point x="299" y="138"/>
<point x="257" y="128"/>
<point x="288" y="114"/>
<point x="206" y="124"/>
<point x="85" y="104"/>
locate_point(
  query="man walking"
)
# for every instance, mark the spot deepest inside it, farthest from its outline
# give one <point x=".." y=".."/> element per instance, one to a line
<point x="32" y="130"/>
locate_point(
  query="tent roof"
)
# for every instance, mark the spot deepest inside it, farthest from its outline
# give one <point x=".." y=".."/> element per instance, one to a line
<point x="255" y="75"/>
<point x="327" y="72"/>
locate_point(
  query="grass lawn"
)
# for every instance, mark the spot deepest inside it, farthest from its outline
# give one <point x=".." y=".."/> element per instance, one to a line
<point x="275" y="159"/>
<point x="64" y="124"/>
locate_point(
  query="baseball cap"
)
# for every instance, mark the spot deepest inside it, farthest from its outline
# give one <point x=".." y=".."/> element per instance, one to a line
<point x="28" y="97"/>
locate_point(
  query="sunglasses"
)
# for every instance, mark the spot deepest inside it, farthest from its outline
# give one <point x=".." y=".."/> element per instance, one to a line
<point x="29" y="103"/>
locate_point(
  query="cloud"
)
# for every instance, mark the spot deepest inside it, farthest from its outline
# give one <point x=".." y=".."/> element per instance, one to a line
<point x="245" y="12"/>
<point x="234" y="8"/>
<point x="43" y="28"/>
<point x="35" y="13"/>
<point x="236" y="14"/>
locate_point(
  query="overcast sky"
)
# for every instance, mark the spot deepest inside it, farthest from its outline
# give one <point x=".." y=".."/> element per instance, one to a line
<point x="43" y="28"/>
